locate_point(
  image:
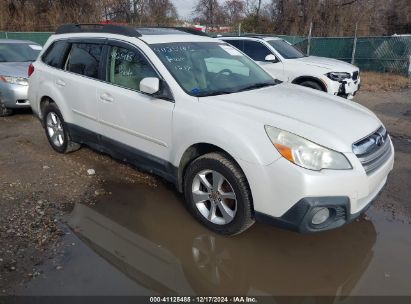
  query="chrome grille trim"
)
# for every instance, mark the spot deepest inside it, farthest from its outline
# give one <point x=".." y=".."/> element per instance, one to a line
<point x="374" y="150"/>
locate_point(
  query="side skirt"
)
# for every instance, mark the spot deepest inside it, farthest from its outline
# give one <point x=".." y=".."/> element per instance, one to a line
<point x="119" y="151"/>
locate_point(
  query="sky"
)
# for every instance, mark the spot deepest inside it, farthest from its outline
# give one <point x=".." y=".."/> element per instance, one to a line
<point x="184" y="8"/>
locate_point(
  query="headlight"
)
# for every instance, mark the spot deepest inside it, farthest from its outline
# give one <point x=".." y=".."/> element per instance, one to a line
<point x="15" y="80"/>
<point x="338" y="76"/>
<point x="305" y="153"/>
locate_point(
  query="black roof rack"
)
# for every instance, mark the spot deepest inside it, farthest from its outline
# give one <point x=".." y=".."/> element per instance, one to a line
<point x="126" y="30"/>
<point x="98" y="28"/>
<point x="169" y="30"/>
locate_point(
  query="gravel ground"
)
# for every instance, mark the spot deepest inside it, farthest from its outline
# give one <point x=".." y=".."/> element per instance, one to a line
<point x="39" y="186"/>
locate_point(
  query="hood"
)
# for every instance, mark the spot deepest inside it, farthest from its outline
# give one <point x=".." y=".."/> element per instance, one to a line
<point x="329" y="121"/>
<point x="333" y="65"/>
<point x="17" y="69"/>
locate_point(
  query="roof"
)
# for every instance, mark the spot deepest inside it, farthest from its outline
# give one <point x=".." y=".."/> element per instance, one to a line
<point x="15" y="41"/>
<point x="262" y="37"/>
<point x="147" y="34"/>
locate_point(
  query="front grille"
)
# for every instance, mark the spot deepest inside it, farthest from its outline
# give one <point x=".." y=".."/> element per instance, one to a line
<point x="374" y="150"/>
<point x="355" y="75"/>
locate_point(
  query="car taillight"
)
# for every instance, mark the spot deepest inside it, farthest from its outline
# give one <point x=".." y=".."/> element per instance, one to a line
<point x="31" y="69"/>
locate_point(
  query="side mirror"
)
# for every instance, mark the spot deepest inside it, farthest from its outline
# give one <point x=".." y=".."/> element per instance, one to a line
<point x="271" y="58"/>
<point x="150" y="85"/>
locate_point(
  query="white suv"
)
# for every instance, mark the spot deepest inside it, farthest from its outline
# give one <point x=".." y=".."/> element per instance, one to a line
<point x="202" y="115"/>
<point x="286" y="63"/>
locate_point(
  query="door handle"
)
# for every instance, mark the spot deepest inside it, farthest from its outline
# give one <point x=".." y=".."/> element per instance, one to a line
<point x="106" y="97"/>
<point x="60" y="83"/>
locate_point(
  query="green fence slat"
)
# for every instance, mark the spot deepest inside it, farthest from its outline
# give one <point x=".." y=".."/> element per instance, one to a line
<point x="38" y="37"/>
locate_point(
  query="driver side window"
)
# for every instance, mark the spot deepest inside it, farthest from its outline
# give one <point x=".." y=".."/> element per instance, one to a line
<point x="126" y="68"/>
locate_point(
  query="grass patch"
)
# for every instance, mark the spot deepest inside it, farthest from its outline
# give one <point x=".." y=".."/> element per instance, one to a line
<point x="373" y="82"/>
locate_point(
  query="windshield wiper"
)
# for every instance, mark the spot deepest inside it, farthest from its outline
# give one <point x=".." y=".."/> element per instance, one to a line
<point x="213" y="93"/>
<point x="259" y="85"/>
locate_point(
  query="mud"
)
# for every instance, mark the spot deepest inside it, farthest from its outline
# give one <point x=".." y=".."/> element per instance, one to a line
<point x="124" y="232"/>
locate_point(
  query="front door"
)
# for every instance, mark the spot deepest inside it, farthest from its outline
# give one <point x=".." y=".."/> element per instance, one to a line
<point x="135" y="126"/>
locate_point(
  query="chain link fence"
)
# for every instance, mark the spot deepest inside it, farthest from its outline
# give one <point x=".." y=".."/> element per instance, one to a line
<point x="381" y="54"/>
<point x="38" y="37"/>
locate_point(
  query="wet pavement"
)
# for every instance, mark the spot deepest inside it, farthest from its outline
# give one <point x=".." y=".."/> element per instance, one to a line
<point x="140" y="240"/>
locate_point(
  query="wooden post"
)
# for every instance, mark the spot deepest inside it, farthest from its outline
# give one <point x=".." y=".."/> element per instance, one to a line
<point x="354" y="47"/>
<point x="309" y="39"/>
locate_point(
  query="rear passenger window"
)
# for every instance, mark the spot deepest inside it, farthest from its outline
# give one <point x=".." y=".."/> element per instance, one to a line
<point x="53" y="55"/>
<point x="256" y="50"/>
<point x="84" y="59"/>
<point x="128" y="67"/>
<point x="239" y="44"/>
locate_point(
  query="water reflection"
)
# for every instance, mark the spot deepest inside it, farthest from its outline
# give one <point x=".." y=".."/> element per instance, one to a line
<point x="148" y="235"/>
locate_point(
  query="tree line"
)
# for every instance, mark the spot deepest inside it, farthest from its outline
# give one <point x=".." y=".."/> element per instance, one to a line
<point x="292" y="17"/>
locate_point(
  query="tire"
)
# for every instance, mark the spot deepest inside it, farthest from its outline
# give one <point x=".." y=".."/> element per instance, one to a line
<point x="4" y="111"/>
<point x="218" y="195"/>
<point x="54" y="124"/>
<point x="312" y="84"/>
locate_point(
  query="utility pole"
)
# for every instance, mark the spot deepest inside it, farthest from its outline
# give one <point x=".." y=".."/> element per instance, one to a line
<point x="309" y="39"/>
<point x="354" y="47"/>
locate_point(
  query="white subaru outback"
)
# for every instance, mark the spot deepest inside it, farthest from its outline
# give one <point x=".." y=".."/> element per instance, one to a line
<point x="202" y="115"/>
<point x="286" y="63"/>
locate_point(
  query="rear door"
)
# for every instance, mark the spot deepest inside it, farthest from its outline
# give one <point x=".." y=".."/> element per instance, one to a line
<point x="135" y="126"/>
<point x="79" y="82"/>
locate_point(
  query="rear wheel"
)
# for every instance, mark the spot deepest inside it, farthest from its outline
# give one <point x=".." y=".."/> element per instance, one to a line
<point x="4" y="111"/>
<point x="56" y="130"/>
<point x="218" y="194"/>
<point x="312" y="84"/>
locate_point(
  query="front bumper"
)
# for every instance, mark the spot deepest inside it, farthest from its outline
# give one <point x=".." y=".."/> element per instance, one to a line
<point x="299" y="217"/>
<point x="14" y="96"/>
<point x="346" y="89"/>
<point x="284" y="194"/>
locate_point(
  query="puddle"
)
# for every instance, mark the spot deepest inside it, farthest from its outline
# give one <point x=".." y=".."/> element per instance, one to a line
<point x="146" y="237"/>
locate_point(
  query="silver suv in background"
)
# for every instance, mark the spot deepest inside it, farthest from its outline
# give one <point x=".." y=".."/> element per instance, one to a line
<point x="15" y="59"/>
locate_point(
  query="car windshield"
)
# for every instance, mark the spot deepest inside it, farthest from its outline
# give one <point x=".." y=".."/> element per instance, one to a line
<point x="285" y="49"/>
<point x="211" y="68"/>
<point x="19" y="52"/>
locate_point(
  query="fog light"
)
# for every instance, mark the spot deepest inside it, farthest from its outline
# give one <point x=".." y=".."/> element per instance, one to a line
<point x="321" y="215"/>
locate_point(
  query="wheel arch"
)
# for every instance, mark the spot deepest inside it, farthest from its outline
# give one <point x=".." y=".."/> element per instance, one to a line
<point x="195" y="151"/>
<point x="317" y="80"/>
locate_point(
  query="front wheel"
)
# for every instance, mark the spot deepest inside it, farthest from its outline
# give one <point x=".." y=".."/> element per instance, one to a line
<point x="4" y="111"/>
<point x="218" y="195"/>
<point x="311" y="84"/>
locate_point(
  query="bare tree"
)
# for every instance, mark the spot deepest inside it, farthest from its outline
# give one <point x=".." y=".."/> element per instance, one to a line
<point x="209" y="12"/>
<point x="235" y="10"/>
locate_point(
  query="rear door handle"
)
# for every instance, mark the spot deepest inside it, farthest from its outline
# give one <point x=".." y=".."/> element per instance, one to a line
<point x="60" y="83"/>
<point x="106" y="97"/>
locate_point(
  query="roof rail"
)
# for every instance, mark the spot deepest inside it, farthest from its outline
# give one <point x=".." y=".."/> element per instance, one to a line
<point x="98" y="28"/>
<point x="164" y="30"/>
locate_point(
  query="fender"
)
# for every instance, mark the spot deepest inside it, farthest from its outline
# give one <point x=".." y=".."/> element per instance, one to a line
<point x="312" y="78"/>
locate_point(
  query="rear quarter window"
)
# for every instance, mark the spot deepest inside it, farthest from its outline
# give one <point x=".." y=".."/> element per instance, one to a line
<point x="54" y="54"/>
